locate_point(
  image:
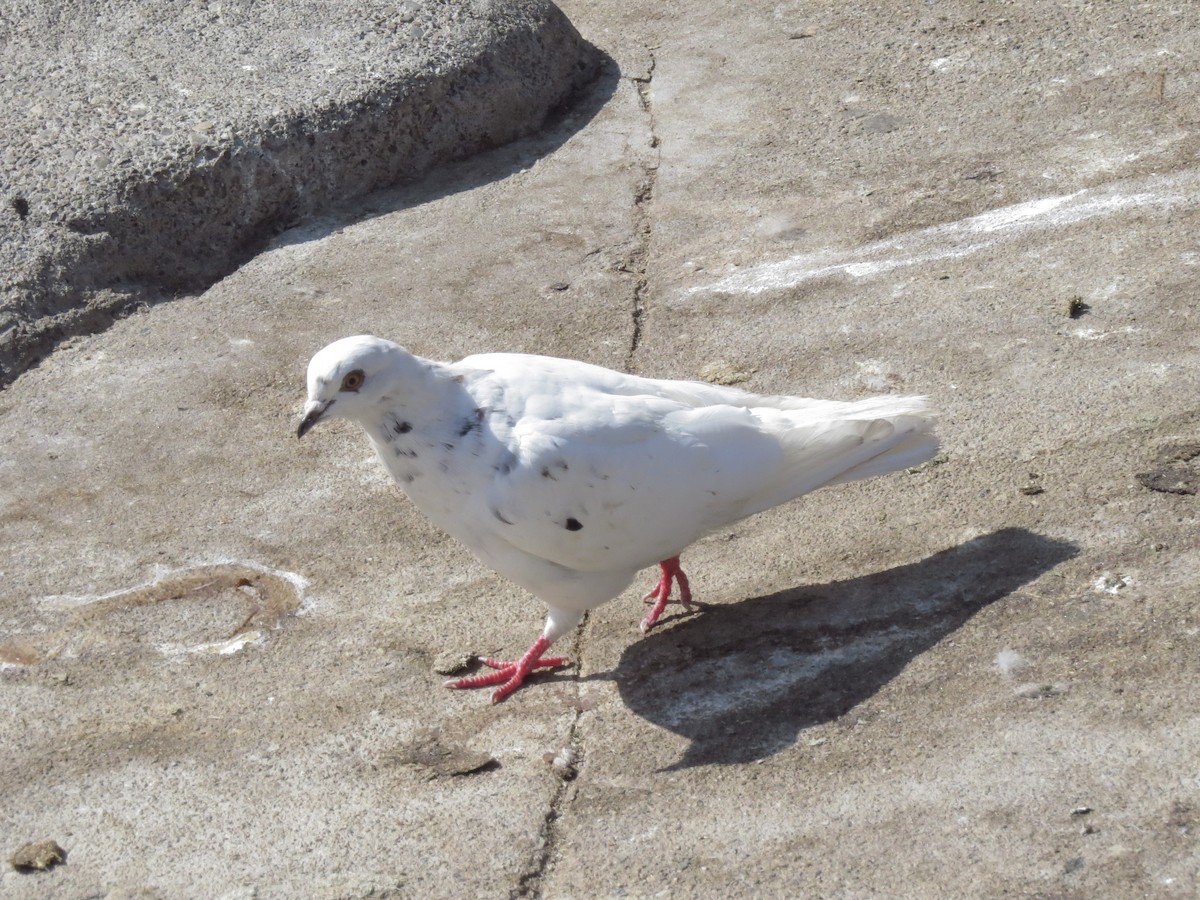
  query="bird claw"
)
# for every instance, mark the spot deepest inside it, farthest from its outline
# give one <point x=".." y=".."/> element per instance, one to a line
<point x="671" y="573"/>
<point x="546" y="662"/>
<point x="509" y="674"/>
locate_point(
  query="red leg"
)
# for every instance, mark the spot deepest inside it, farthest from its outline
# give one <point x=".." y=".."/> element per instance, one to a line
<point x="511" y="673"/>
<point x="669" y="571"/>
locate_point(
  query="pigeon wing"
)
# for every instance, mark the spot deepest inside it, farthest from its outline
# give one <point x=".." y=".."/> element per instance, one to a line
<point x="627" y="481"/>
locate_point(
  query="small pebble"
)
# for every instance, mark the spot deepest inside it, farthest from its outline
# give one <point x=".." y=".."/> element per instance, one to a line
<point x="563" y="763"/>
<point x="37" y="856"/>
<point x="1076" y="307"/>
<point x="1081" y="810"/>
<point x="1111" y="583"/>
<point x="1010" y="662"/>
<point x="450" y="662"/>
<point x="723" y="373"/>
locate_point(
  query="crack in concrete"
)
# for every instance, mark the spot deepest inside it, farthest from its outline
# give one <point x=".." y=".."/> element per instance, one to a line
<point x="638" y="260"/>
<point x="530" y="883"/>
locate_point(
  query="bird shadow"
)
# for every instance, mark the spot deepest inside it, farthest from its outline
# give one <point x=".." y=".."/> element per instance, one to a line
<point x="742" y="680"/>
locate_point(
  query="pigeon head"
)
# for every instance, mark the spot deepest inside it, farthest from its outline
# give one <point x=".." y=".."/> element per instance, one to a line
<point x="348" y="378"/>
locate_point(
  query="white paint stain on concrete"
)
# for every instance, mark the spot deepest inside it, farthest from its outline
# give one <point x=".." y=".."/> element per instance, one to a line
<point x="163" y="573"/>
<point x="965" y="236"/>
<point x="219" y="648"/>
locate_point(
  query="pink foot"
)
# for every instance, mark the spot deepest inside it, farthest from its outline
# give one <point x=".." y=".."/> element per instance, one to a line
<point x="510" y="673"/>
<point x="662" y="591"/>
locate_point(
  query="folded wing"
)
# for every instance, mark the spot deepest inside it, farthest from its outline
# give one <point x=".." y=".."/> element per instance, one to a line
<point x="622" y="481"/>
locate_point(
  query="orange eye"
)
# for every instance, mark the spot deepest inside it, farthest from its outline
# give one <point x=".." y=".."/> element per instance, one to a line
<point x="353" y="380"/>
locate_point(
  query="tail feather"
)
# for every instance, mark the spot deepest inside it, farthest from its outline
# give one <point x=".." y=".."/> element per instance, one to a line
<point x="824" y="446"/>
<point x="917" y="448"/>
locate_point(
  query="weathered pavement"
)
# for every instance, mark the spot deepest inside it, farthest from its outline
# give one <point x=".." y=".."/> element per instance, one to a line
<point x="975" y="679"/>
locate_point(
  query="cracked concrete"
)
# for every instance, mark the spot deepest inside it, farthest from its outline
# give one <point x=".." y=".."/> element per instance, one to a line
<point x="639" y="258"/>
<point x="531" y="883"/>
<point x="908" y="687"/>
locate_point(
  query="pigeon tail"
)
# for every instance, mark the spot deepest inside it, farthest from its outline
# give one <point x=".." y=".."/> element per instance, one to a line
<point x="917" y="448"/>
<point x="857" y="440"/>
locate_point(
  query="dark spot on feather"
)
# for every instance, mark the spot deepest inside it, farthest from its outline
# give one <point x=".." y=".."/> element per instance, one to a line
<point x="562" y="464"/>
<point x="405" y="452"/>
<point x="500" y="516"/>
<point x="505" y="462"/>
<point x="546" y="473"/>
<point x="574" y="524"/>
<point x="472" y="423"/>
<point x="403" y="427"/>
<point x="447" y="445"/>
<point x="510" y="421"/>
<point x="407" y="478"/>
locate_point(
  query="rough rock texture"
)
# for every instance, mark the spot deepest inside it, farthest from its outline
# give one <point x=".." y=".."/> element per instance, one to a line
<point x="150" y="147"/>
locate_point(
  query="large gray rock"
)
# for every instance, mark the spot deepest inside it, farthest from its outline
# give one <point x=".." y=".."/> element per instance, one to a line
<point x="152" y="147"/>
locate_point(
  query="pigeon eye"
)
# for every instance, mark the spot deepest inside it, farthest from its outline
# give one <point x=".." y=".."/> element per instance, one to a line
<point x="353" y="380"/>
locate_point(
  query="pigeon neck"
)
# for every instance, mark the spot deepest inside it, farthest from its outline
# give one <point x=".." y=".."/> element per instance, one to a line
<point x="422" y="394"/>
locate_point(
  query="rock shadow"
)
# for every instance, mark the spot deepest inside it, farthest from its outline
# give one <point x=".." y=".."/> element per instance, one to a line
<point x="742" y="680"/>
<point x="182" y="228"/>
<point x="488" y="165"/>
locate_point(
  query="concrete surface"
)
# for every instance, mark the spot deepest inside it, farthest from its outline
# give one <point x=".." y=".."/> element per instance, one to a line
<point x="151" y="147"/>
<point x="975" y="679"/>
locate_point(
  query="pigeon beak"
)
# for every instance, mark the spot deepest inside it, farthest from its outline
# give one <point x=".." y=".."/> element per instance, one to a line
<point x="313" y="411"/>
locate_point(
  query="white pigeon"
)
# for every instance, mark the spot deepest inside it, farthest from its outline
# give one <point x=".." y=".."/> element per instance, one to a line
<point x="568" y="478"/>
